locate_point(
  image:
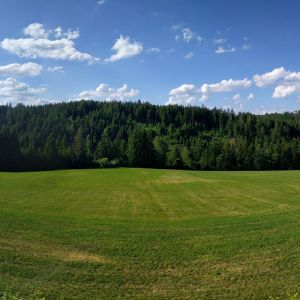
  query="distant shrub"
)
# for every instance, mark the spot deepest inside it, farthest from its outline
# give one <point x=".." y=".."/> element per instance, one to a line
<point x="105" y="163"/>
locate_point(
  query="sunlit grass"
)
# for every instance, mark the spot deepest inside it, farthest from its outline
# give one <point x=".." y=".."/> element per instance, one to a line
<point x="142" y="233"/>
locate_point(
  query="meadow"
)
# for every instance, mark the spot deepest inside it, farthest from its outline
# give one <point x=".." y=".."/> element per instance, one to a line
<point x="150" y="234"/>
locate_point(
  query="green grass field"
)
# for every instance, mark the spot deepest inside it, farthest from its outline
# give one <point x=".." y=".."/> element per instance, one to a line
<point x="150" y="234"/>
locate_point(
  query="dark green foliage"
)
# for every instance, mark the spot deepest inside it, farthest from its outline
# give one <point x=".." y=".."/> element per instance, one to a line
<point x="140" y="149"/>
<point x="174" y="159"/>
<point x="78" y="134"/>
<point x="10" y="155"/>
<point x="160" y="144"/>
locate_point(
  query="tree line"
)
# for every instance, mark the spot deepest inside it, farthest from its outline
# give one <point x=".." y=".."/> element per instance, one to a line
<point x="88" y="134"/>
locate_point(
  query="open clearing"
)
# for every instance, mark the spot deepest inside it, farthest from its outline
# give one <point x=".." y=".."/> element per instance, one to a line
<point x="154" y="234"/>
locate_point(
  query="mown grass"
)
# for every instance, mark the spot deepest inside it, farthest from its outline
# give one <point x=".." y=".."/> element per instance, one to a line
<point x="154" y="234"/>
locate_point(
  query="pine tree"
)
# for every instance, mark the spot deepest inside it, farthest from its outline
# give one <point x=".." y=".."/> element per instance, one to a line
<point x="140" y="149"/>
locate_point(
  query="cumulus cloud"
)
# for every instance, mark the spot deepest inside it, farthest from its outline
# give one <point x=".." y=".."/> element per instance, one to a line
<point x="124" y="48"/>
<point x="56" y="69"/>
<point x="288" y="83"/>
<point x="189" y="94"/>
<point x="221" y="50"/>
<point x="105" y="93"/>
<point x="28" y="69"/>
<point x="293" y="77"/>
<point x="226" y="86"/>
<point x="283" y="91"/>
<point x="13" y="91"/>
<point x="186" y="94"/>
<point x="288" y="86"/>
<point x="36" y="30"/>
<point x="270" y="78"/>
<point x="37" y="44"/>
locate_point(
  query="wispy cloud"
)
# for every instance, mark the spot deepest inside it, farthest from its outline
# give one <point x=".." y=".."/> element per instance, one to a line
<point x="153" y="50"/>
<point x="221" y="50"/>
<point x="219" y="41"/>
<point x="56" y="69"/>
<point x="101" y="2"/>
<point x="185" y="33"/>
<point x="189" y="55"/>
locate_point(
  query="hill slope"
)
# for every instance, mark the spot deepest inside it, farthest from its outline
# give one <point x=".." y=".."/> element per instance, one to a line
<point x="88" y="133"/>
<point x="142" y="233"/>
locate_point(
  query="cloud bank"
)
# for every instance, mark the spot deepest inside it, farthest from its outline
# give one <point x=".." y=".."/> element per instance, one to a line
<point x="106" y="93"/>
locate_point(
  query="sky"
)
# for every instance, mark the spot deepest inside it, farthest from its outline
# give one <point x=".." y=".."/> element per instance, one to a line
<point x="231" y="54"/>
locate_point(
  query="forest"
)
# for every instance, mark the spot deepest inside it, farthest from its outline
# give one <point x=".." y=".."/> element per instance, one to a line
<point x="90" y="134"/>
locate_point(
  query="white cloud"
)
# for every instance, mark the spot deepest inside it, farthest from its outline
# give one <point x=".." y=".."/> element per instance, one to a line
<point x="188" y="35"/>
<point x="204" y="98"/>
<point x="270" y="78"/>
<point x="101" y="2"/>
<point x="56" y="69"/>
<point x="189" y="94"/>
<point x="221" y="50"/>
<point x="189" y="55"/>
<point x="219" y="41"/>
<point x="105" y="93"/>
<point x="28" y="69"/>
<point x="250" y="97"/>
<point x="185" y="33"/>
<point x="153" y="50"/>
<point x="236" y="98"/>
<point x="12" y="91"/>
<point x="294" y="77"/>
<point x="246" y="47"/>
<point x="176" y="27"/>
<point x="226" y="86"/>
<point x="288" y="86"/>
<point x="36" y="30"/>
<point x="237" y="107"/>
<point x="186" y="94"/>
<point x="124" y="48"/>
<point x="70" y="34"/>
<point x="283" y="91"/>
<point x="38" y="44"/>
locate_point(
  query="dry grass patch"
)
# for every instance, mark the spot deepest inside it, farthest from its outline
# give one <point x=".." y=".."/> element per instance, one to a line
<point x="53" y="251"/>
<point x="182" y="178"/>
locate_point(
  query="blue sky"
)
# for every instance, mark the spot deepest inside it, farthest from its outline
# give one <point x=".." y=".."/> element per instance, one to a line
<point x="232" y="54"/>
